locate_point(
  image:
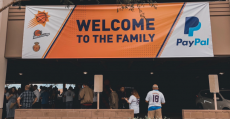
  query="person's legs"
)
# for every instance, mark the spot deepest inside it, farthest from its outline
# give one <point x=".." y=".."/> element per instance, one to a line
<point x="23" y="107"/>
<point x="35" y="105"/>
<point x="67" y="105"/>
<point x="94" y="105"/>
<point x="83" y="107"/>
<point x="38" y="105"/>
<point x="151" y="114"/>
<point x="71" y="105"/>
<point x="120" y="105"/>
<point x="86" y="107"/>
<point x="63" y="105"/>
<point x="45" y="106"/>
<point x="78" y="104"/>
<point x="158" y="114"/>
<point x="26" y="108"/>
<point x="90" y="106"/>
<point x="74" y="103"/>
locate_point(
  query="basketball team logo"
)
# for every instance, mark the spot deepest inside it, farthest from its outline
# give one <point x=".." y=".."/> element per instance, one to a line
<point x="36" y="47"/>
<point x="40" y="19"/>
<point x="38" y="34"/>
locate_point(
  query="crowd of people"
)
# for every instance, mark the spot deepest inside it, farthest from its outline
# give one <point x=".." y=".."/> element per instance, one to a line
<point x="81" y="96"/>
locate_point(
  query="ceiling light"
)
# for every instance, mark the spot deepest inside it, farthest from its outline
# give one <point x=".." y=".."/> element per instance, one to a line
<point x="20" y="74"/>
<point x="221" y="73"/>
<point x="85" y="72"/>
<point x="151" y="73"/>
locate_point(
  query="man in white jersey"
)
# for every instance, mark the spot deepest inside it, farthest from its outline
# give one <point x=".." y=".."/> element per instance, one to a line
<point x="155" y="98"/>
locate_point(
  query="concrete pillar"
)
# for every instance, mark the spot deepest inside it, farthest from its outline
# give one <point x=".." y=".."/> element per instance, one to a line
<point x="3" y="61"/>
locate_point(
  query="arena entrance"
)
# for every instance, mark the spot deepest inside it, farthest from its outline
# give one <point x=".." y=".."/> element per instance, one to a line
<point x="179" y="79"/>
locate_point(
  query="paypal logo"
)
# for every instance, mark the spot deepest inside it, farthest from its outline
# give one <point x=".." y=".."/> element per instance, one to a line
<point x="191" y="24"/>
<point x="191" y="43"/>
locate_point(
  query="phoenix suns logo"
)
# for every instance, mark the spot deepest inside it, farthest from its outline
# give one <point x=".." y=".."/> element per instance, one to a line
<point x="40" y="18"/>
<point x="38" y="34"/>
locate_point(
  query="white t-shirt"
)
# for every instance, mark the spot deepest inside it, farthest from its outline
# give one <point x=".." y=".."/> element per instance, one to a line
<point x="134" y="104"/>
<point x="155" y="98"/>
<point x="37" y="93"/>
<point x="69" y="95"/>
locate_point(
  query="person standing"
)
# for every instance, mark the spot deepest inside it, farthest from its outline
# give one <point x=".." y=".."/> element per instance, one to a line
<point x="95" y="100"/>
<point x="133" y="101"/>
<point x="45" y="98"/>
<point x="64" y="98"/>
<point x="42" y="89"/>
<point x="28" y="98"/>
<point x="4" y="112"/>
<point x="19" y="91"/>
<point x="12" y="100"/>
<point x="37" y="93"/>
<point x="86" y="96"/>
<point x="122" y="96"/>
<point x="6" y="92"/>
<point x="155" y="99"/>
<point x="69" y="95"/>
<point x="113" y="99"/>
<point x="79" y="87"/>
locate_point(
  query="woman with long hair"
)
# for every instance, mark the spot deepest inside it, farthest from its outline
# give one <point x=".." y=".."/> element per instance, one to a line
<point x="12" y="100"/>
<point x="133" y="101"/>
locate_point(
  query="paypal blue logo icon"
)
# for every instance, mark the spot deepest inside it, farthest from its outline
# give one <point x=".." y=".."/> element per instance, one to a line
<point x="191" y="24"/>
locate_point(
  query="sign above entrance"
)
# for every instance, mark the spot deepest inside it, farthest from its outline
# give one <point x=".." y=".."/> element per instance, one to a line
<point x="101" y="31"/>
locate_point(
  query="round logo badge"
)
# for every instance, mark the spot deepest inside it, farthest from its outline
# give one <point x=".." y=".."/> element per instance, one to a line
<point x="36" y="47"/>
<point x="37" y="33"/>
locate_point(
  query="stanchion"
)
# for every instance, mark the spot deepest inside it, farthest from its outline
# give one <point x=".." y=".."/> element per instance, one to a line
<point x="215" y="102"/>
<point x="98" y="100"/>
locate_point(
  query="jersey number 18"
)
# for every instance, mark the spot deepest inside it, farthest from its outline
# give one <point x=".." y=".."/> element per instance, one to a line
<point x="155" y="98"/>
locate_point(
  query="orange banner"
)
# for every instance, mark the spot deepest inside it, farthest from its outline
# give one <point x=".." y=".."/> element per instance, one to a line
<point x="100" y="31"/>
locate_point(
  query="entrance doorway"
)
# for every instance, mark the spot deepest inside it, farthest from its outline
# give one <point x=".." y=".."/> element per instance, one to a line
<point x="179" y="80"/>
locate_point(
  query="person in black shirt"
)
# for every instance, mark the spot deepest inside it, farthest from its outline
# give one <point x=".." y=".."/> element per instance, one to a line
<point x="122" y="95"/>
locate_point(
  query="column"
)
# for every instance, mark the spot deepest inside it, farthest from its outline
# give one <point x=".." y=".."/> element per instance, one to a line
<point x="3" y="61"/>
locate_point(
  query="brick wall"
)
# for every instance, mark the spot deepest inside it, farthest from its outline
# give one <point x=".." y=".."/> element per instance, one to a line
<point x="73" y="114"/>
<point x="206" y="114"/>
